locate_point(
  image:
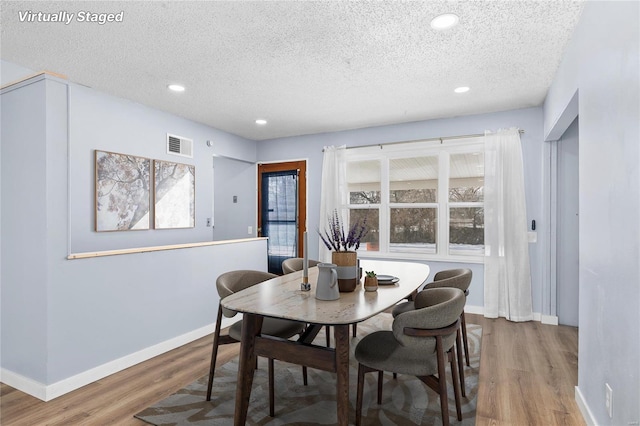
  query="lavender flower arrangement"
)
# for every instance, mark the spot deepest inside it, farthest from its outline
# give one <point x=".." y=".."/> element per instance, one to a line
<point x="335" y="238"/>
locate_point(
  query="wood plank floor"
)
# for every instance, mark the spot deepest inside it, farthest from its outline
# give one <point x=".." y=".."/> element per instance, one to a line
<point x="527" y="376"/>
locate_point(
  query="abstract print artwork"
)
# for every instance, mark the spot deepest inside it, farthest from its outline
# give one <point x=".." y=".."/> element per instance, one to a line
<point x="122" y="192"/>
<point x="174" y="195"/>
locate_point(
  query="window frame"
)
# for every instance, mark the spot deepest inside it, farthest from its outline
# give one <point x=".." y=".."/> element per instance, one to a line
<point x="443" y="150"/>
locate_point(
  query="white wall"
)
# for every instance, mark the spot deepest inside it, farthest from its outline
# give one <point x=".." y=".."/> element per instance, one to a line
<point x="530" y="119"/>
<point x="601" y="64"/>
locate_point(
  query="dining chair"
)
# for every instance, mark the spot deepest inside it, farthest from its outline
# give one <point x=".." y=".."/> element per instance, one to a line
<point x="419" y="344"/>
<point x="456" y="278"/>
<point x="232" y="282"/>
<point x="295" y="264"/>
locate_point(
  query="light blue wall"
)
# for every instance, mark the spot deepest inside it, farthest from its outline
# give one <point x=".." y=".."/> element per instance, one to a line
<point x="24" y="227"/>
<point x="310" y="147"/>
<point x="10" y="72"/>
<point x="99" y="121"/>
<point x="60" y="317"/>
<point x="238" y="178"/>
<point x="602" y="64"/>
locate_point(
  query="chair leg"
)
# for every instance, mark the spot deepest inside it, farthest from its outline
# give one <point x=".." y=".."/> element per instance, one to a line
<point x="442" y="382"/>
<point x="271" y="389"/>
<point x="380" y="373"/>
<point x="456" y="383"/>
<point x="305" y="380"/>
<point x="214" y="353"/>
<point x="361" y="371"/>
<point x="328" y="333"/>
<point x="355" y="329"/>
<point x="460" y="362"/>
<point x="464" y="338"/>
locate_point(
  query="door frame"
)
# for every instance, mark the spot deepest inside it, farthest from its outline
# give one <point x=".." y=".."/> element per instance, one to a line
<point x="549" y="209"/>
<point x="301" y="220"/>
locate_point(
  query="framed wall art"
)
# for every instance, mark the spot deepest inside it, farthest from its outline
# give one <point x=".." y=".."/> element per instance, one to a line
<point x="174" y="195"/>
<point x="122" y="193"/>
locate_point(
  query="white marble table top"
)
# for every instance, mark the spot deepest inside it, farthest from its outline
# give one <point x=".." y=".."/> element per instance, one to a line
<point x="281" y="297"/>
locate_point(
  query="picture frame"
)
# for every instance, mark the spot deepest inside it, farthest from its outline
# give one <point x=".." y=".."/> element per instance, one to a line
<point x="122" y="192"/>
<point x="174" y="195"/>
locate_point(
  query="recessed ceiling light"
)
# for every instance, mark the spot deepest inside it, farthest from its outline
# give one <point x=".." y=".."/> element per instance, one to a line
<point x="462" y="89"/>
<point x="261" y="122"/>
<point x="176" y="88"/>
<point x="445" y="21"/>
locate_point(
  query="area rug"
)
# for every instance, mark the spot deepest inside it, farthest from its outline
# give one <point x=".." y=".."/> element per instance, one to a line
<point x="405" y="400"/>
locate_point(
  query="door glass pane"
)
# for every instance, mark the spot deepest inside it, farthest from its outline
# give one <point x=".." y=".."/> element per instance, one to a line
<point x="466" y="177"/>
<point x="413" y="180"/>
<point x="279" y="217"/>
<point x="413" y="229"/>
<point x="363" y="180"/>
<point x="466" y="230"/>
<point x="371" y="219"/>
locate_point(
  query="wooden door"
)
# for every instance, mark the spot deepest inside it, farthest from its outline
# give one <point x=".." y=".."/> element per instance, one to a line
<point x="282" y="215"/>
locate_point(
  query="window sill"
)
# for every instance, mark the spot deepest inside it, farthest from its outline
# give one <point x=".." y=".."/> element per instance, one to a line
<point x="421" y="256"/>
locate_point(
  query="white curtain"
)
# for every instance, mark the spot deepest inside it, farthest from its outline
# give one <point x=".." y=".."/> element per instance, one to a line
<point x="507" y="277"/>
<point x="334" y="172"/>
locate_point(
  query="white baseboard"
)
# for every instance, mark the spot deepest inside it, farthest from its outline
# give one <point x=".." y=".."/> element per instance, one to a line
<point x="549" y="319"/>
<point x="537" y="316"/>
<point x="470" y="309"/>
<point x="587" y="415"/>
<point x="24" y="384"/>
<point x="54" y="390"/>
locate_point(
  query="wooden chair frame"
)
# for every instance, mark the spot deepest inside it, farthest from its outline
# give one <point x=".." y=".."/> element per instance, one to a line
<point x="226" y="339"/>
<point x="438" y="384"/>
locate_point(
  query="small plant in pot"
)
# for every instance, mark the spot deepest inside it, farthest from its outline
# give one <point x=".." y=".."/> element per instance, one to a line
<point x="370" y="281"/>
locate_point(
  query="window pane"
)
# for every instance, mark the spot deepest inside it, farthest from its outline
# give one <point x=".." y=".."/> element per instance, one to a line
<point x="413" y="180"/>
<point x="413" y="229"/>
<point x="466" y="177"/>
<point x="466" y="229"/>
<point x="371" y="218"/>
<point x="363" y="180"/>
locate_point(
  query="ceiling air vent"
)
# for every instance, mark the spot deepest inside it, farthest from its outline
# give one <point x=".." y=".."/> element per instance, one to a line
<point x="177" y="145"/>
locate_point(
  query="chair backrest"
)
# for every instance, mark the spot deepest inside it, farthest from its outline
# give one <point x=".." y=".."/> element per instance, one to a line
<point x="295" y="264"/>
<point x="434" y="309"/>
<point x="234" y="281"/>
<point x="458" y="278"/>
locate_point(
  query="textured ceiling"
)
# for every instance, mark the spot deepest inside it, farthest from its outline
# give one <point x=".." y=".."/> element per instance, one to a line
<point x="306" y="67"/>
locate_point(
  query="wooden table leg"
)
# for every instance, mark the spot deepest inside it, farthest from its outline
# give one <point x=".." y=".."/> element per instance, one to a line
<point x="251" y="326"/>
<point x="341" y="335"/>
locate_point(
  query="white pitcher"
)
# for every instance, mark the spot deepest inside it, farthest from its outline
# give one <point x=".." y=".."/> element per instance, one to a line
<point x="327" y="286"/>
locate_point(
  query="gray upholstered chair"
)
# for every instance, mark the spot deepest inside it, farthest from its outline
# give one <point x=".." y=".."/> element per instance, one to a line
<point x="294" y="264"/>
<point x="458" y="278"/>
<point x="419" y="344"/>
<point x="232" y="282"/>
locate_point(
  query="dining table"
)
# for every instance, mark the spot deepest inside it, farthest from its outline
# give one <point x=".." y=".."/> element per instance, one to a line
<point x="282" y="297"/>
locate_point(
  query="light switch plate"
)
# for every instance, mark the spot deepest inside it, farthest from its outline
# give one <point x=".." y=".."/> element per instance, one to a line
<point x="608" y="399"/>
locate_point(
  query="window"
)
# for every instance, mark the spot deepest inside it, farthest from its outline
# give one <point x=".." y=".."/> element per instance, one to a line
<point x="364" y="182"/>
<point x="466" y="212"/>
<point x="419" y="198"/>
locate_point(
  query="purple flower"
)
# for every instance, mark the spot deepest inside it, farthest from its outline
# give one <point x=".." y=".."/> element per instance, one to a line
<point x="335" y="238"/>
